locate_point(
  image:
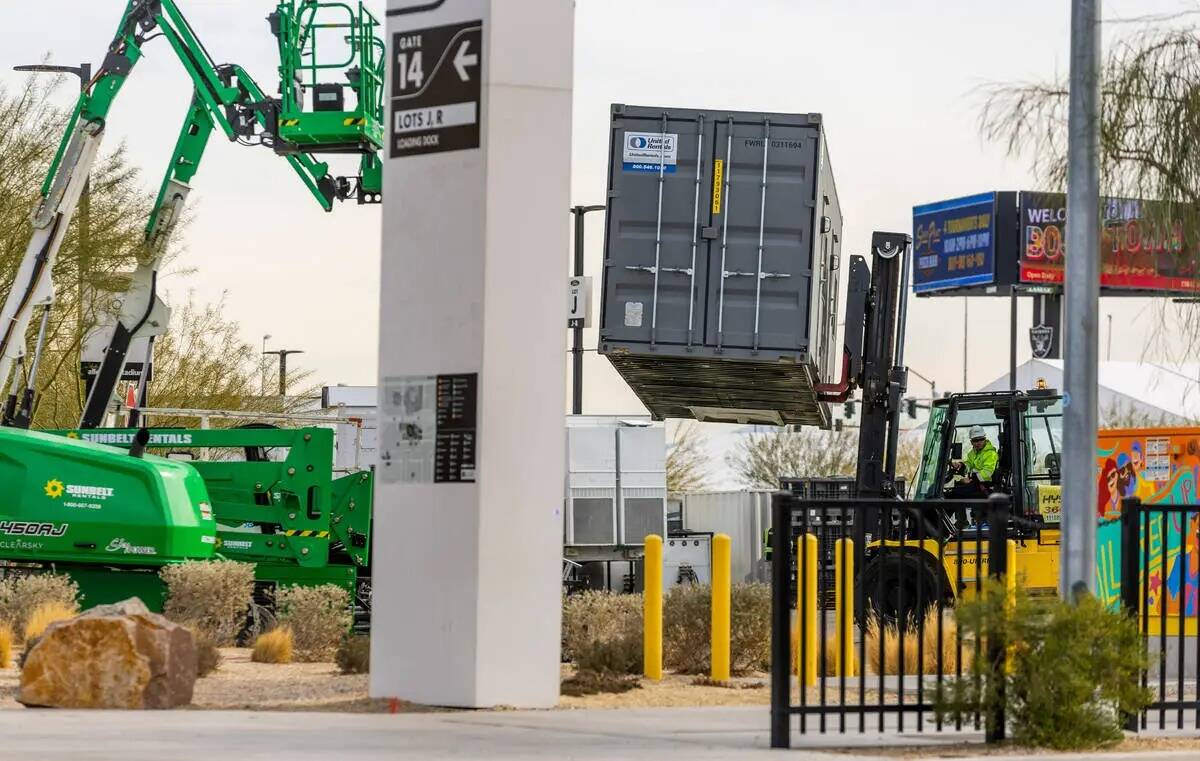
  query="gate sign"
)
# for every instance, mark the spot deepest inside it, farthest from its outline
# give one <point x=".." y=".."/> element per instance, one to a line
<point x="954" y="243"/>
<point x="1135" y="253"/>
<point x="437" y="78"/>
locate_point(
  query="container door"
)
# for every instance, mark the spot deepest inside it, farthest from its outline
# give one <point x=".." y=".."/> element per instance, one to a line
<point x="760" y="264"/>
<point x="658" y="179"/>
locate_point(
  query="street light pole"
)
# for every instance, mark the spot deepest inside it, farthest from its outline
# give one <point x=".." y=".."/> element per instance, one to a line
<point x="577" y="342"/>
<point x="1082" y="287"/>
<point x="263" y="376"/>
<point x="84" y="72"/>
<point x="283" y="355"/>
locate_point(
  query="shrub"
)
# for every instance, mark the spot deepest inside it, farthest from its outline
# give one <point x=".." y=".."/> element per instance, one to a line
<point x="6" y="645"/>
<point x="21" y="595"/>
<point x="687" y="626"/>
<point x="593" y="682"/>
<point x="602" y="633"/>
<point x="275" y="646"/>
<point x="319" y="618"/>
<point x="46" y="614"/>
<point x="1073" y="669"/>
<point x="209" y="596"/>
<point x="208" y="657"/>
<point x="354" y="654"/>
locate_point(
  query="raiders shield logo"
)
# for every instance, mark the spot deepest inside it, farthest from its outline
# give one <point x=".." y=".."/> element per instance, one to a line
<point x="1040" y="339"/>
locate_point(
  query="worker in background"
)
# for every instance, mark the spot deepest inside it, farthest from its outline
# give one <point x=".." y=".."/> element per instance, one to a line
<point x="973" y="474"/>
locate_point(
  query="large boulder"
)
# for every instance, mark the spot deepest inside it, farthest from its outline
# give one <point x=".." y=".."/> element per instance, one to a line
<point x="112" y="656"/>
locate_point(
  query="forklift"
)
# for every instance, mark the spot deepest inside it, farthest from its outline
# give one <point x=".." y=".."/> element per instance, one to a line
<point x="924" y="555"/>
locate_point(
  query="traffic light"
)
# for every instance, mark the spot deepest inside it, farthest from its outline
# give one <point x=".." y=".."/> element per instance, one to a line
<point x="848" y="410"/>
<point x="837" y="426"/>
<point x="910" y="405"/>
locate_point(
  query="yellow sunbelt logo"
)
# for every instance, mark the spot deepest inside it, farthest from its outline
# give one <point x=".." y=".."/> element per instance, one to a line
<point x="54" y="488"/>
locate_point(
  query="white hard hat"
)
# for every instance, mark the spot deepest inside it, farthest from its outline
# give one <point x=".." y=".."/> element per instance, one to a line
<point x="977" y="433"/>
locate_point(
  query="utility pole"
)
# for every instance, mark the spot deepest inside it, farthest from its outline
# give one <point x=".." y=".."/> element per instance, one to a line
<point x="283" y="355"/>
<point x="1082" y="287"/>
<point x="966" y="301"/>
<point x="1012" y="340"/>
<point x="577" y="342"/>
<point x="84" y="72"/>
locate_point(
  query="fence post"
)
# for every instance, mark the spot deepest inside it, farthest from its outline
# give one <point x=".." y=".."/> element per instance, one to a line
<point x="652" y="595"/>
<point x="1131" y="573"/>
<point x="720" y="606"/>
<point x="1010" y="594"/>
<point x="844" y="595"/>
<point x="997" y="516"/>
<point x="806" y="593"/>
<point x="781" y="614"/>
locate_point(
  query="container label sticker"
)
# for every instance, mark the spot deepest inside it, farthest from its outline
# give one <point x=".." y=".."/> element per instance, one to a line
<point x="633" y="314"/>
<point x="718" y="184"/>
<point x="651" y="151"/>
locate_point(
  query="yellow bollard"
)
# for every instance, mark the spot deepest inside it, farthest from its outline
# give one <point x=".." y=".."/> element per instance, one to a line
<point x="652" y="600"/>
<point x="1010" y="596"/>
<point x="806" y="600"/>
<point x="844" y="595"/>
<point x="721" y="602"/>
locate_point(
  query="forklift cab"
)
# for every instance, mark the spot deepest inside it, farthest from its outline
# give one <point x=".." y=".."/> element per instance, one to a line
<point x="1024" y="427"/>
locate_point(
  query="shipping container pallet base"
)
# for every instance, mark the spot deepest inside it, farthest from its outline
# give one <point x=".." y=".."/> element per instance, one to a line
<point x="676" y="387"/>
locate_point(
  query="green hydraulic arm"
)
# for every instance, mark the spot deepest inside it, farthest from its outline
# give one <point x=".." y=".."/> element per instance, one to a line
<point x="225" y="97"/>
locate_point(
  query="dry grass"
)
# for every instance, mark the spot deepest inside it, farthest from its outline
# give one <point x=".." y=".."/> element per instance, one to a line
<point x="319" y="618"/>
<point x="602" y="632"/>
<point x="915" y="644"/>
<point x="274" y="647"/>
<point x="21" y="595"/>
<point x="6" y="645"/>
<point x="46" y="614"/>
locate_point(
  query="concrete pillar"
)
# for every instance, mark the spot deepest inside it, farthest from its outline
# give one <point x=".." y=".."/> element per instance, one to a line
<point x="468" y="515"/>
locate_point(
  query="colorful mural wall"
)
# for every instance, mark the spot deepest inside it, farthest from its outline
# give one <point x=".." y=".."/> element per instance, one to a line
<point x="1157" y="466"/>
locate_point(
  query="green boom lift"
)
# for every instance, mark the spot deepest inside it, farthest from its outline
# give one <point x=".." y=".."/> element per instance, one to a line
<point x="110" y="517"/>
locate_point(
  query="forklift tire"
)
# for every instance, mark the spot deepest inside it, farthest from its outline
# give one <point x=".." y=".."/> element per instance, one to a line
<point x="909" y="588"/>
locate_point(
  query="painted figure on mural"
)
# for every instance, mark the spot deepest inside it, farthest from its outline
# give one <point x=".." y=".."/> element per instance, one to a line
<point x="1109" y="498"/>
<point x="1191" y="563"/>
<point x="1142" y="489"/>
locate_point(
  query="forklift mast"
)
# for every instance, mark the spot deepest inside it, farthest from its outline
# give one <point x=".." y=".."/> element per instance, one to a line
<point x="877" y="304"/>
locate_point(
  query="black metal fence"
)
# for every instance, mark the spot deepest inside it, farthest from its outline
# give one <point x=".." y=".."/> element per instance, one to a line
<point x="1160" y="587"/>
<point x="898" y="568"/>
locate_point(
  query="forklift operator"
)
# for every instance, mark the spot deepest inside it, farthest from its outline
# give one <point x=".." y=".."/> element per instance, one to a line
<point x="974" y="473"/>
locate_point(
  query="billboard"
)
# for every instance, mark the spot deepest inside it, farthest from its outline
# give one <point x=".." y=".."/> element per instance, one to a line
<point x="954" y="243"/>
<point x="1135" y="254"/>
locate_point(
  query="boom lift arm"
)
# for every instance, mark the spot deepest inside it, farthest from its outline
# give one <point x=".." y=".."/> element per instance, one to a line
<point x="225" y="96"/>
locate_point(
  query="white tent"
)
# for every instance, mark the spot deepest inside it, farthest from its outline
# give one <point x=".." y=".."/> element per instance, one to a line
<point x="1131" y="393"/>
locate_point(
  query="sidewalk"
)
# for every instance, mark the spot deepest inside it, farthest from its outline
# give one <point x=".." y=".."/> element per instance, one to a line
<point x="680" y="734"/>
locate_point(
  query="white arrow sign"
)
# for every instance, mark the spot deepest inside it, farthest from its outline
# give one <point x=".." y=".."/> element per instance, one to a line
<point x="462" y="60"/>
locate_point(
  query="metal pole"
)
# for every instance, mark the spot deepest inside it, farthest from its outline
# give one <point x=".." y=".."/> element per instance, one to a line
<point x="1012" y="341"/>
<point x="1082" y="286"/>
<point x="1108" y="352"/>
<point x="85" y="235"/>
<point x="577" y="340"/>
<point x="283" y="373"/>
<point x="966" y="301"/>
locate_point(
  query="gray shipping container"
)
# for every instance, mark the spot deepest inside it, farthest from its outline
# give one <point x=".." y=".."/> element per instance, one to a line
<point x="722" y="246"/>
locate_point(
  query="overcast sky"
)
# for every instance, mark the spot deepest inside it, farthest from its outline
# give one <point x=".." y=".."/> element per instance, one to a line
<point x="896" y="80"/>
